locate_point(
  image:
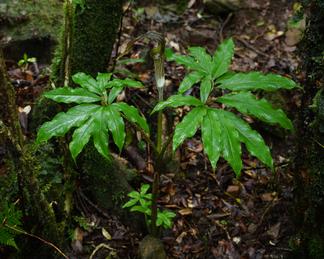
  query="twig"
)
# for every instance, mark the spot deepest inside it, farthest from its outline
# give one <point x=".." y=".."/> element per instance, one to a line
<point x="119" y="36"/>
<point x="228" y="18"/>
<point x="249" y="46"/>
<point x="39" y="238"/>
<point x="102" y="245"/>
<point x="93" y="205"/>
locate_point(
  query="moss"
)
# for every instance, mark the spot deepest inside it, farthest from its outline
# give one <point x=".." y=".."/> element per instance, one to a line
<point x="94" y="34"/>
<point x="24" y="19"/>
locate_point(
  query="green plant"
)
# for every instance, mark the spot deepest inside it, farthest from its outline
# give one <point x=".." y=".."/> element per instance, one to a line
<point x="25" y="61"/>
<point x="10" y="218"/>
<point x="142" y="201"/>
<point x="95" y="115"/>
<point x="223" y="131"/>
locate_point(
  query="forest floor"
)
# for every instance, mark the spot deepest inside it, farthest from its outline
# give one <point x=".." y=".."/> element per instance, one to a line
<point x="218" y="216"/>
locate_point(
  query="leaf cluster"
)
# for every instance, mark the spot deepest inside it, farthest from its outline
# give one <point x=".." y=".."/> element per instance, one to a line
<point x="223" y="131"/>
<point x="95" y="115"/>
<point x="141" y="202"/>
<point x="9" y="215"/>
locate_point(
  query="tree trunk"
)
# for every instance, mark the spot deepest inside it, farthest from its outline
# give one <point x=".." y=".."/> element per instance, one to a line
<point x="310" y="157"/>
<point x="88" y="38"/>
<point x="39" y="216"/>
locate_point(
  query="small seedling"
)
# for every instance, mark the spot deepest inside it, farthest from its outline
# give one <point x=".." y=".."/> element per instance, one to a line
<point x="26" y="61"/>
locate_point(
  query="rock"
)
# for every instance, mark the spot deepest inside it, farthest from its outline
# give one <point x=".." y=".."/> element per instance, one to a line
<point x="151" y="248"/>
<point x="216" y="7"/>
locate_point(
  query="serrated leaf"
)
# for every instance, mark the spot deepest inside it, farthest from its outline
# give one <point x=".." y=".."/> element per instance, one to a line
<point x="176" y="101"/>
<point x="100" y="133"/>
<point x="81" y="137"/>
<point x="134" y="195"/>
<point x="87" y="82"/>
<point x="188" y="126"/>
<point x="252" y="139"/>
<point x="222" y="58"/>
<point x="132" y="114"/>
<point x="230" y="142"/>
<point x="103" y="80"/>
<point x="189" y="80"/>
<point x="205" y="89"/>
<point x="247" y="103"/>
<point x="64" y="121"/>
<point x="116" y="125"/>
<point x="202" y="57"/>
<point x="254" y="81"/>
<point x="146" y="211"/>
<point x="114" y="92"/>
<point x="71" y="95"/>
<point x="188" y="62"/>
<point x="211" y="137"/>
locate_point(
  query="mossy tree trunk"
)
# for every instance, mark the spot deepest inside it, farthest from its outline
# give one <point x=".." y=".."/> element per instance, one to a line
<point x="39" y="217"/>
<point x="87" y="42"/>
<point x="310" y="157"/>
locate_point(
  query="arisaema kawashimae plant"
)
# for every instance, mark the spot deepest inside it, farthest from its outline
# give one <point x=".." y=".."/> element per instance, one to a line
<point x="95" y="115"/>
<point x="223" y="131"/>
<point x="142" y="202"/>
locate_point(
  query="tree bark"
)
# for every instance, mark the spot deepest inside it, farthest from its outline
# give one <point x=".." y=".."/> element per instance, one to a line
<point x="310" y="157"/>
<point x="38" y="214"/>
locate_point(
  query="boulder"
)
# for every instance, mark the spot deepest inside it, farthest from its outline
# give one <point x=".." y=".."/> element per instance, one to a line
<point x="151" y="248"/>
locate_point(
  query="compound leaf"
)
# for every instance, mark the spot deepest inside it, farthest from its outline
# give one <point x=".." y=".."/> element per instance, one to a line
<point x="254" y="81"/>
<point x="176" y="101"/>
<point x="64" y="121"/>
<point x="100" y="133"/>
<point x="203" y="58"/>
<point x="81" y="137"/>
<point x="211" y="137"/>
<point x="189" y="80"/>
<point x="103" y="80"/>
<point x="115" y="125"/>
<point x="132" y="114"/>
<point x="87" y="82"/>
<point x="188" y="62"/>
<point x="247" y="103"/>
<point x="188" y="126"/>
<point x="222" y="58"/>
<point x="205" y="89"/>
<point x="252" y="139"/>
<point x="71" y="95"/>
<point x="230" y="142"/>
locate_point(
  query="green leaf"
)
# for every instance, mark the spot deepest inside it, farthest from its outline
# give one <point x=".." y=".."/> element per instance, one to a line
<point x="100" y="133"/>
<point x="188" y="126"/>
<point x="252" y="139"/>
<point x="205" y="89"/>
<point x="141" y="209"/>
<point x="188" y="62"/>
<point x="71" y="95"/>
<point x="176" y="101"/>
<point x="211" y="137"/>
<point x="134" y="195"/>
<point x="247" y="103"/>
<point x="103" y="80"/>
<point x="116" y="125"/>
<point x="254" y="81"/>
<point x="202" y="57"/>
<point x="230" y="142"/>
<point x="63" y="122"/>
<point x="81" y="137"/>
<point x="114" y="92"/>
<point x="87" y="82"/>
<point x="222" y="58"/>
<point x="189" y="80"/>
<point x="132" y="83"/>
<point x="144" y="188"/>
<point x="130" y="203"/>
<point x="132" y="114"/>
